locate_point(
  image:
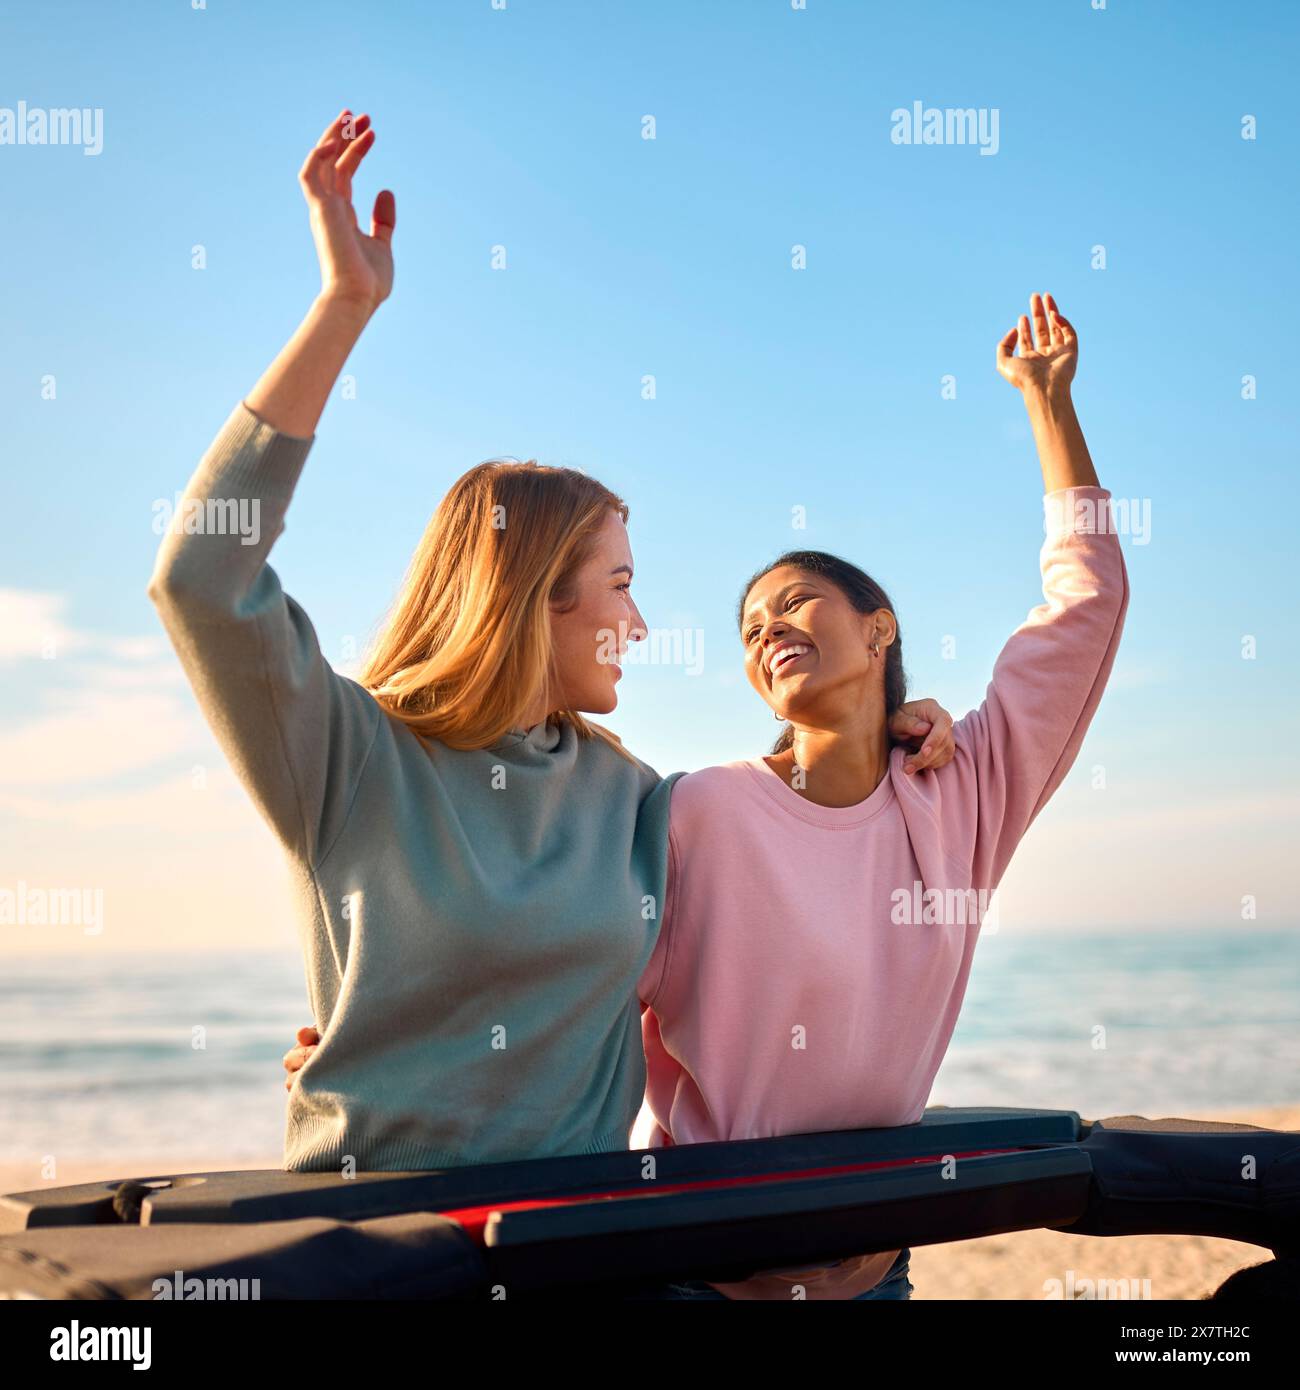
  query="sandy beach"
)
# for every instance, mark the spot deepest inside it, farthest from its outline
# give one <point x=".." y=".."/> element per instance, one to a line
<point x="1021" y="1265"/>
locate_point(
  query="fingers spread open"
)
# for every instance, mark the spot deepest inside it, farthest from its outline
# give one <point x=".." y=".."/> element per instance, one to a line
<point x="334" y="126"/>
<point x="1053" y="326"/>
<point x="317" y="172"/>
<point x="354" y="153"/>
<point x="1041" y="330"/>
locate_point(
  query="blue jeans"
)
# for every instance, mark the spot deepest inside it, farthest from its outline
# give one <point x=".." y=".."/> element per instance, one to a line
<point x="894" y="1285"/>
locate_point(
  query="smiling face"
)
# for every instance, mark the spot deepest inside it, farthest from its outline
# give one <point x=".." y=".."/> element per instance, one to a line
<point x="591" y="631"/>
<point x="808" y="650"/>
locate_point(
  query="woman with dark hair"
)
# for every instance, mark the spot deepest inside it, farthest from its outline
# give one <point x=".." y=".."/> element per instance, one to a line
<point x="824" y="904"/>
<point x="862" y="592"/>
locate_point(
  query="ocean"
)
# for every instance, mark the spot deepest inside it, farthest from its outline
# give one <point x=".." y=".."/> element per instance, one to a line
<point x="98" y="1055"/>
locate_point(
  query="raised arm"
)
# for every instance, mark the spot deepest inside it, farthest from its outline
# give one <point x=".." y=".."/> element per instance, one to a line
<point x="356" y="277"/>
<point x="1015" y="750"/>
<point x="296" y="732"/>
<point x="1042" y="374"/>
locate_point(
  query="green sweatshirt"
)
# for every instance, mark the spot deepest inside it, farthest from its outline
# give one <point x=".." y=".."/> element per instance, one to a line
<point x="474" y="923"/>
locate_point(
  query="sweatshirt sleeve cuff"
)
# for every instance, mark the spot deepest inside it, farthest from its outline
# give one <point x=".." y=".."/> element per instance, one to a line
<point x="250" y="458"/>
<point x="1077" y="511"/>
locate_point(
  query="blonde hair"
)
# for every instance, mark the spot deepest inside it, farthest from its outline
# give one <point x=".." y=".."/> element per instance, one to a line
<point x="467" y="648"/>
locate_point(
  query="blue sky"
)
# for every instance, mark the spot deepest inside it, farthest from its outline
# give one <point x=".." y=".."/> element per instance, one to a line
<point x="775" y="388"/>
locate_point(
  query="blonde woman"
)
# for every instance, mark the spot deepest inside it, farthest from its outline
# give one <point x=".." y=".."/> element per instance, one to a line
<point x="479" y="870"/>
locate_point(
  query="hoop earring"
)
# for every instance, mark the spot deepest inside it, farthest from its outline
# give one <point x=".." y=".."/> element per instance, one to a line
<point x="777" y="716"/>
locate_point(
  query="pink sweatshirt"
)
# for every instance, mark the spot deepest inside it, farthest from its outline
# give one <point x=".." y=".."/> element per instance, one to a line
<point x="795" y="987"/>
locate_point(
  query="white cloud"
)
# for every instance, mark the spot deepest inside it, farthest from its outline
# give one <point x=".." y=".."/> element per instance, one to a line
<point x="214" y="803"/>
<point x="95" y="734"/>
<point x="98" y="706"/>
<point x="32" y="626"/>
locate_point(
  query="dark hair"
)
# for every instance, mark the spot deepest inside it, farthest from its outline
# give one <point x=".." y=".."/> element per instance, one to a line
<point x="863" y="593"/>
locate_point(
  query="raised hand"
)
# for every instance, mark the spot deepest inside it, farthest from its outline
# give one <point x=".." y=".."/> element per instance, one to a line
<point x="1045" y="365"/>
<point x="354" y="267"/>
